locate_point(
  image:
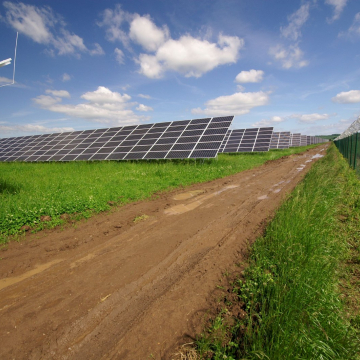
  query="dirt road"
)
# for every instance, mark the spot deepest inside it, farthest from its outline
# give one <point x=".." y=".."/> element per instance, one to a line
<point x="115" y="288"/>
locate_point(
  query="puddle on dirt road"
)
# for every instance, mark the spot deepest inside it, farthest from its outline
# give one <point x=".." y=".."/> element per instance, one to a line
<point x="263" y="197"/>
<point x="317" y="156"/>
<point x="301" y="167"/>
<point x="182" y="208"/>
<point x="13" y="280"/>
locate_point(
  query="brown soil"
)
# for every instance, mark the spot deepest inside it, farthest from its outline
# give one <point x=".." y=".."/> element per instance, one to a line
<point x="136" y="282"/>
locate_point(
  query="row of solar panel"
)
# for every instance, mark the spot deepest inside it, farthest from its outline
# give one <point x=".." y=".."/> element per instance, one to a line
<point x="263" y="139"/>
<point x="199" y="138"/>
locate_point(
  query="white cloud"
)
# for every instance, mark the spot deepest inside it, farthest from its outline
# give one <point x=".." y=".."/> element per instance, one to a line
<point x="355" y="27"/>
<point x="269" y="122"/>
<point x="251" y="76"/>
<point x="103" y="106"/>
<point x="237" y="104"/>
<point x="190" y="56"/>
<point x="59" y="93"/>
<point x="291" y="57"/>
<point x="46" y="101"/>
<point x="150" y="66"/>
<point x="144" y="96"/>
<point x="240" y="88"/>
<point x="112" y="21"/>
<point x="310" y="118"/>
<point x="338" y="8"/>
<point x="105" y="96"/>
<point x="5" y="80"/>
<point x="347" y="97"/>
<point x="296" y="21"/>
<point x="119" y="55"/>
<point x="31" y="20"/>
<point x="98" y="50"/>
<point x="44" y="27"/>
<point x="29" y="129"/>
<point x="187" y="55"/>
<point x="327" y="129"/>
<point x="143" y="107"/>
<point x="144" y="32"/>
<point x="66" y="77"/>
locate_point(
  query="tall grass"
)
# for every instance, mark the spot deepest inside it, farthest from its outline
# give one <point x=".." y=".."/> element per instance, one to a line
<point x="29" y="191"/>
<point x="290" y="290"/>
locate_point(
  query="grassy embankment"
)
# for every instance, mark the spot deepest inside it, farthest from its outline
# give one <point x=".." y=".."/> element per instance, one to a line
<point x="299" y="295"/>
<point x="29" y="191"/>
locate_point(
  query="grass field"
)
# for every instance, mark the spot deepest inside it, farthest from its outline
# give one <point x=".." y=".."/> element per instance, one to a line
<point x="300" y="291"/>
<point x="30" y="191"/>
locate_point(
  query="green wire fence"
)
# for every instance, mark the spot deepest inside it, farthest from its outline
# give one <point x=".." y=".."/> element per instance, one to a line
<point x="349" y="147"/>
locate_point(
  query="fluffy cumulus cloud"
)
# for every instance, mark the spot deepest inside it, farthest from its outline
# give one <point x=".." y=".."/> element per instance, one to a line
<point x="251" y="76"/>
<point x="237" y="104"/>
<point x="296" y="20"/>
<point x="144" y="32"/>
<point x="310" y="118"/>
<point x="188" y="55"/>
<point x="274" y="120"/>
<point x="45" y="27"/>
<point x="112" y="21"/>
<point x="143" y="107"/>
<point x="290" y="57"/>
<point x="347" y="97"/>
<point x="103" y="106"/>
<point x="338" y="6"/>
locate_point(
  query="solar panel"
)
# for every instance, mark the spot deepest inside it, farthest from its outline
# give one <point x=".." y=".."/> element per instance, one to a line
<point x="303" y="140"/>
<point x="295" y="140"/>
<point x="247" y="140"/>
<point x="280" y="140"/>
<point x="198" y="138"/>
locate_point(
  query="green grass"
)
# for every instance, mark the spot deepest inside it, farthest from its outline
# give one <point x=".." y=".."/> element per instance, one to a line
<point x="292" y="293"/>
<point x="29" y="191"/>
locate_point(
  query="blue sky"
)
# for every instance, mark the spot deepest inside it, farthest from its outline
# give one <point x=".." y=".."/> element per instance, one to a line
<point x="91" y="64"/>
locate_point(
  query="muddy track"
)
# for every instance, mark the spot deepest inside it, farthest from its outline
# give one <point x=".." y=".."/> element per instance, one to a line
<point x="112" y="288"/>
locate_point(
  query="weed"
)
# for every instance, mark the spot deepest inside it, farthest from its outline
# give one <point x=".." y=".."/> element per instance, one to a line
<point x="140" y="218"/>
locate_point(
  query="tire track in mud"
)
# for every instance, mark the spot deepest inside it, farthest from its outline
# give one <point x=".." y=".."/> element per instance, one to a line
<point x="138" y="289"/>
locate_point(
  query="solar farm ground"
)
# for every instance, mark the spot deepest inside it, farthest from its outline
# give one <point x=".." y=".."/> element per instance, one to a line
<point x="137" y="281"/>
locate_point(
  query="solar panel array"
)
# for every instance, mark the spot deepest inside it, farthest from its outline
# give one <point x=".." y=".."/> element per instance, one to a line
<point x="247" y="140"/>
<point x="198" y="138"/>
<point x="280" y="140"/>
<point x="315" y="140"/>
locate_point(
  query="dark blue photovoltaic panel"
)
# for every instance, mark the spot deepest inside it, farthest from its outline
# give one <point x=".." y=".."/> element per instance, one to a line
<point x="247" y="140"/>
<point x="169" y="140"/>
<point x="280" y="140"/>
